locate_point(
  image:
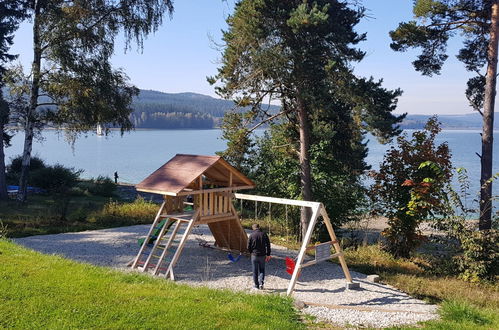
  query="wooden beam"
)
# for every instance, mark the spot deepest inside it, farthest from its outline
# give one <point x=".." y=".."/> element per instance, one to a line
<point x="313" y="262"/>
<point x="362" y="308"/>
<point x="236" y="172"/>
<point x="201" y="191"/>
<point x="159" y="192"/>
<point x="336" y="244"/>
<point x="301" y="255"/>
<point x="275" y="200"/>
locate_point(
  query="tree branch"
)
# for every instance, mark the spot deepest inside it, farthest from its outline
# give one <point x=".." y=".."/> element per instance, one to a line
<point x="46" y="103"/>
<point x="266" y="120"/>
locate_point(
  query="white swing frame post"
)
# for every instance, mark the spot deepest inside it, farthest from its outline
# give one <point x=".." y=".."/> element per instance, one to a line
<point x="318" y="209"/>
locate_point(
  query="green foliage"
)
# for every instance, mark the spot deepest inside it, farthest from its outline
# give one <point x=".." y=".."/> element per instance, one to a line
<point x="474" y="255"/>
<point x="58" y="181"/>
<point x="117" y="213"/>
<point x="55" y="178"/>
<point x="12" y="12"/>
<point x="438" y="21"/>
<point x="100" y="186"/>
<point x="14" y="168"/>
<point x="80" y="86"/>
<point x="45" y="291"/>
<point x="479" y="259"/>
<point x="410" y="187"/>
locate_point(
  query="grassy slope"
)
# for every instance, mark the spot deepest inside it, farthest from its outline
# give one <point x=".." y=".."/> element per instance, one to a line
<point x="464" y="305"/>
<point x="39" y="291"/>
<point x="39" y="216"/>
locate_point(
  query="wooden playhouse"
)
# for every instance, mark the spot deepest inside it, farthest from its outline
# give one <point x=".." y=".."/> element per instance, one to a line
<point x="210" y="183"/>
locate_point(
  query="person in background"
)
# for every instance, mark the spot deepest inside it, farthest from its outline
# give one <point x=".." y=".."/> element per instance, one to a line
<point x="116" y="177"/>
<point x="259" y="247"/>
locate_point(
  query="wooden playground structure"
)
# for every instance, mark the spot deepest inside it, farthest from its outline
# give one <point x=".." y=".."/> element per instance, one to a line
<point x="211" y="183"/>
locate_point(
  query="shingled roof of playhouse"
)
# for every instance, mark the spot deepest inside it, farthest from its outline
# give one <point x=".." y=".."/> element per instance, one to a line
<point x="180" y="173"/>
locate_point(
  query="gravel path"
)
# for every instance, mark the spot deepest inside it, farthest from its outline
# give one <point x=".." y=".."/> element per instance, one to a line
<point x="374" y="305"/>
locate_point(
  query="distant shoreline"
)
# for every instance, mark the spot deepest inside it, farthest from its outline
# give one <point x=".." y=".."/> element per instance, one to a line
<point x="496" y="130"/>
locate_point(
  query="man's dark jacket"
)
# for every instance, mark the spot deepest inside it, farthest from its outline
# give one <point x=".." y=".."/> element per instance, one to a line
<point x="259" y="243"/>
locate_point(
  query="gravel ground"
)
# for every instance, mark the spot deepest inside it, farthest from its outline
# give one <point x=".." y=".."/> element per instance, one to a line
<point x="373" y="305"/>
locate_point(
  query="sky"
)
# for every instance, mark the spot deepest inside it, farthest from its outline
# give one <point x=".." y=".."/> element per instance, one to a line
<point x="180" y="56"/>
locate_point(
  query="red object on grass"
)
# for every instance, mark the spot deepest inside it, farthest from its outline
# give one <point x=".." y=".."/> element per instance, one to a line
<point x="290" y="265"/>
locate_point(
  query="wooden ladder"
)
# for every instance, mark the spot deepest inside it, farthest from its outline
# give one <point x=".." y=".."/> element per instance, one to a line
<point x="155" y="257"/>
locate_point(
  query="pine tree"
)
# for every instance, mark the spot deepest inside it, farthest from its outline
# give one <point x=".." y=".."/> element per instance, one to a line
<point x="299" y="53"/>
<point x="476" y="21"/>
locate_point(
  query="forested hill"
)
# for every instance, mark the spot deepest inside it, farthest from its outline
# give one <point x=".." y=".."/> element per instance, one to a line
<point x="153" y="109"/>
<point x="467" y="121"/>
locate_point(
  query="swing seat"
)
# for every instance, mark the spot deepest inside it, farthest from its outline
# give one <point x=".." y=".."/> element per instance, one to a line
<point x="290" y="265"/>
<point x="232" y="259"/>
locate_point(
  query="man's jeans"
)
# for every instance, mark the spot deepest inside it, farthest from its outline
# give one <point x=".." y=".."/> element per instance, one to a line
<point x="258" y="263"/>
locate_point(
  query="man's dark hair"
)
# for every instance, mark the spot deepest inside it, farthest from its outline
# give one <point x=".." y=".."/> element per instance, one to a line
<point x="255" y="226"/>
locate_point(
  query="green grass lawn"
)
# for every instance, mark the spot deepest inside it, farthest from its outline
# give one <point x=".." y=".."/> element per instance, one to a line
<point x="40" y="291"/>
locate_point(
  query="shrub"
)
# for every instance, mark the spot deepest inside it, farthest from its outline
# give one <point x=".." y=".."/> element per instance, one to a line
<point x="55" y="179"/>
<point x="58" y="181"/>
<point x="15" y="165"/>
<point x="474" y="254"/>
<point x="103" y="186"/>
<point x="139" y="211"/>
<point x="409" y="187"/>
<point x="13" y="170"/>
<point x="479" y="258"/>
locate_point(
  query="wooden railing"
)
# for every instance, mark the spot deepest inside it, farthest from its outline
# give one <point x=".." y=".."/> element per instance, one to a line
<point x="213" y="203"/>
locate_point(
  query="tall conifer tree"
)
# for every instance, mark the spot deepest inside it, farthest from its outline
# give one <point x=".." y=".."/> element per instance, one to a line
<point x="476" y="21"/>
<point x="299" y="53"/>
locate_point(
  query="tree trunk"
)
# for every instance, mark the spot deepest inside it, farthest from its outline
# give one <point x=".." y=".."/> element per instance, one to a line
<point x="31" y="111"/>
<point x="305" y="172"/>
<point x="488" y="123"/>
<point x="3" y="183"/>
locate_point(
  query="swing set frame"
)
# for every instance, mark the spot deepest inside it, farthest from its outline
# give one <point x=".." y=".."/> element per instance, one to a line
<point x="318" y="210"/>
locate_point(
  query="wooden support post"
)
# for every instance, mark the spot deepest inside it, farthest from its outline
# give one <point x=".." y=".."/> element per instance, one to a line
<point x="336" y="244"/>
<point x="205" y="204"/>
<point x="301" y="255"/>
<point x="155" y="222"/>
<point x="212" y="203"/>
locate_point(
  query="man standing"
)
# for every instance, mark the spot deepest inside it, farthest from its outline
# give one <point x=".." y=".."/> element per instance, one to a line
<point x="259" y="247"/>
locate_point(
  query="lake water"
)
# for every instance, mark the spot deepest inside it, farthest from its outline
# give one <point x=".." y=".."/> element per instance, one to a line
<point x="136" y="154"/>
